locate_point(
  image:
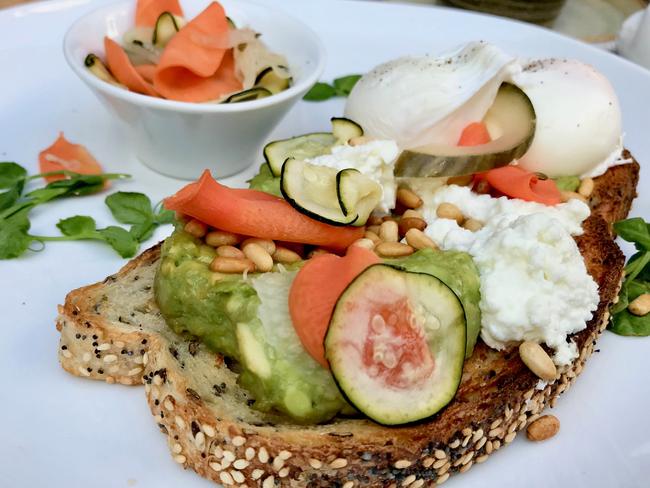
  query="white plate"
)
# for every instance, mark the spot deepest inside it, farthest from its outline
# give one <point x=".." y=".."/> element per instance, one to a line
<point x="62" y="431"/>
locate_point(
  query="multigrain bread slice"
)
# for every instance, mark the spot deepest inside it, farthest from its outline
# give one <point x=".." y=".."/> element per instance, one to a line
<point x="114" y="331"/>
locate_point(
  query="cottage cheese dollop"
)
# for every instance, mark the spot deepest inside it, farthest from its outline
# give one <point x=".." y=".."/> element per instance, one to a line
<point x="375" y="159"/>
<point x="534" y="283"/>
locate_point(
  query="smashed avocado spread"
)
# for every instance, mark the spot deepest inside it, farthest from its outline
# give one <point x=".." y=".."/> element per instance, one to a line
<point x="247" y="320"/>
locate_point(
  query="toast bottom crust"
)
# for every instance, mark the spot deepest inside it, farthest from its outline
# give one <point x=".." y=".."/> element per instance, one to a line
<point x="210" y="429"/>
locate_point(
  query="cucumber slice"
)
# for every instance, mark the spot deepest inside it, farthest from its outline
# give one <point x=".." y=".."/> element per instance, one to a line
<point x="300" y="147"/>
<point x="312" y="190"/>
<point x="248" y="95"/>
<point x="166" y="27"/>
<point x="511" y="118"/>
<point x="99" y="69"/>
<point x="396" y="344"/>
<point x="270" y="80"/>
<point x="357" y="194"/>
<point x="310" y="145"/>
<point x="345" y="129"/>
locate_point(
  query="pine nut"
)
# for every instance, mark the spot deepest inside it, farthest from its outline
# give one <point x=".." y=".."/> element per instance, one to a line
<point x="473" y="225"/>
<point x="419" y="240"/>
<point x="196" y="228"/>
<point x="463" y="180"/>
<point x="365" y="243"/>
<point x="359" y="141"/>
<point x="373" y="228"/>
<point x="231" y="265"/>
<point x="218" y="238"/>
<point x="586" y="187"/>
<point x="317" y="252"/>
<point x="262" y="259"/>
<point x="537" y="360"/>
<point x="267" y="244"/>
<point x="543" y="428"/>
<point x="408" y="199"/>
<point x="405" y="224"/>
<point x="374" y="220"/>
<point x="410" y="213"/>
<point x="372" y="236"/>
<point x="393" y="249"/>
<point x="389" y="231"/>
<point x="569" y="195"/>
<point x="450" y="211"/>
<point x="285" y="256"/>
<point x="230" y="252"/>
<point x="640" y="305"/>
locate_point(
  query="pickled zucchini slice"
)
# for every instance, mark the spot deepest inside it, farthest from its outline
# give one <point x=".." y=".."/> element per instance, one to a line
<point x="345" y="129"/>
<point x="270" y="80"/>
<point x="311" y="145"/>
<point x="248" y="95"/>
<point x="396" y="344"/>
<point x="166" y="27"/>
<point x="99" y="69"/>
<point x="510" y="120"/>
<point x="312" y="191"/>
<point x="357" y="194"/>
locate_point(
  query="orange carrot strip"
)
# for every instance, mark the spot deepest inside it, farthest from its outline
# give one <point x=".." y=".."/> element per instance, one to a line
<point x="148" y="11"/>
<point x="315" y="291"/>
<point x="147" y="71"/>
<point x="190" y="67"/>
<point x="516" y="182"/>
<point x="183" y="85"/>
<point x="63" y="155"/>
<point x="257" y="214"/>
<point x="121" y="67"/>
<point x="474" y="134"/>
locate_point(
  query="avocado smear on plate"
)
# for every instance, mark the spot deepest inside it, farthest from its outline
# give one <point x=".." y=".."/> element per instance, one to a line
<point x="248" y="320"/>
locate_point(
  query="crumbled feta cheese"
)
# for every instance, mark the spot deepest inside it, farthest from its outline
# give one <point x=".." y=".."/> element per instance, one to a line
<point x="534" y="283"/>
<point x="375" y="159"/>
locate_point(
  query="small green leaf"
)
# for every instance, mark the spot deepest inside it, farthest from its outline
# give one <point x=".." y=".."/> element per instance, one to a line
<point x="14" y="239"/>
<point x="121" y="240"/>
<point x="634" y="230"/>
<point x="79" y="226"/>
<point x="165" y="216"/>
<point x="11" y="174"/>
<point x="143" y="231"/>
<point x="567" y="183"/>
<point x="345" y="84"/>
<point x="319" y="92"/>
<point x="10" y="197"/>
<point x="626" y="324"/>
<point x="622" y="303"/>
<point x="130" y="207"/>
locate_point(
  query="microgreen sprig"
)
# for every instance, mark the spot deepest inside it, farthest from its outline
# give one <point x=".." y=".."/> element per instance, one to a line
<point x="341" y="87"/>
<point x="126" y="207"/>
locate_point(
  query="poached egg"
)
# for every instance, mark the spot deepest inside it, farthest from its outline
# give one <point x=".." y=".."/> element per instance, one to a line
<point x="578" y="118"/>
<point x="429" y="100"/>
<point x="417" y="101"/>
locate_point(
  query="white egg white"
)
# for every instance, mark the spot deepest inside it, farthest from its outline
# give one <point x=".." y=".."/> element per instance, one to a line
<point x="429" y="100"/>
<point x="578" y="118"/>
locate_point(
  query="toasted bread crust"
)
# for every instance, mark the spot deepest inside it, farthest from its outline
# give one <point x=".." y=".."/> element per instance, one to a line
<point x="214" y="433"/>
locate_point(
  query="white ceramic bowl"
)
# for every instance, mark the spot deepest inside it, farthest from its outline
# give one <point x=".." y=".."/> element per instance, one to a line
<point x="181" y="139"/>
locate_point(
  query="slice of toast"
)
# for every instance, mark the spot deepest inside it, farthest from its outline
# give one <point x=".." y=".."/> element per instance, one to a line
<point x="114" y="331"/>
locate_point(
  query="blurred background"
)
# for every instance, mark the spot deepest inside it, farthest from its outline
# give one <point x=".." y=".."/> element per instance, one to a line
<point x="593" y="21"/>
<point x="598" y="22"/>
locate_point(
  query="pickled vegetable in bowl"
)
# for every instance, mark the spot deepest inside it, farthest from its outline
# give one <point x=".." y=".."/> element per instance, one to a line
<point x="207" y="59"/>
